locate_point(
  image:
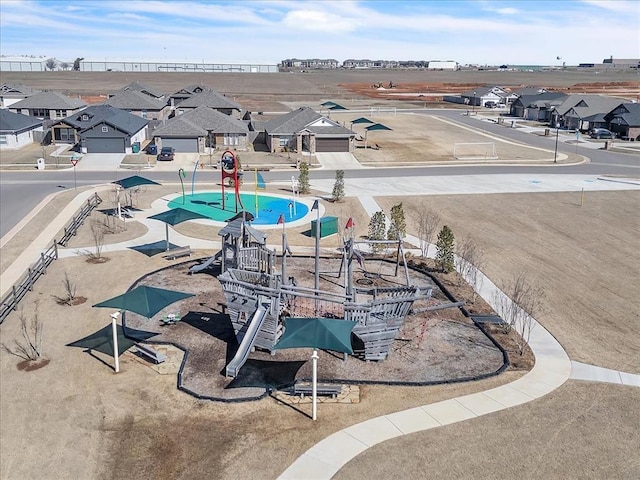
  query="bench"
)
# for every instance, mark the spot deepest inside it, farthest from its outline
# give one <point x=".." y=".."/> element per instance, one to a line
<point x="177" y="252"/>
<point x="149" y="352"/>
<point x="325" y="389"/>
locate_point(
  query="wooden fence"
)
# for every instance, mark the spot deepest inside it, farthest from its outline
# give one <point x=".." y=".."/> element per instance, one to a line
<point x="78" y="219"/>
<point x="25" y="284"/>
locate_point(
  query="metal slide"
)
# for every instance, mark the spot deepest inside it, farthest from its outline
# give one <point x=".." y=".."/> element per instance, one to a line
<point x="247" y="341"/>
<point x="205" y="265"/>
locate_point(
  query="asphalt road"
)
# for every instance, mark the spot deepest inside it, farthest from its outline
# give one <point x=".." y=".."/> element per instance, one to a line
<point x="21" y="191"/>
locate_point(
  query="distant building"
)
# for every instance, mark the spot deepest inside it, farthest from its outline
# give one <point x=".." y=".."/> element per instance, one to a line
<point x="442" y="65"/>
<point x="309" y="63"/>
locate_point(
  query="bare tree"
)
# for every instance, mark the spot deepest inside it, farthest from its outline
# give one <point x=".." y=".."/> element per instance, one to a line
<point x="428" y="222"/>
<point x="470" y="262"/>
<point x="65" y="66"/>
<point x="70" y="290"/>
<point x="31" y="346"/>
<point x="51" y="63"/>
<point x="520" y="304"/>
<point x="98" y="230"/>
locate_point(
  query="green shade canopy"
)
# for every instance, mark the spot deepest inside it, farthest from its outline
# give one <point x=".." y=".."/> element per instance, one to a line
<point x="338" y="107"/>
<point x="323" y="333"/>
<point x="102" y="340"/>
<point x="328" y="104"/>
<point x="361" y="120"/>
<point x="377" y="126"/>
<point x="177" y="215"/>
<point x="134" y="181"/>
<point x="146" y="301"/>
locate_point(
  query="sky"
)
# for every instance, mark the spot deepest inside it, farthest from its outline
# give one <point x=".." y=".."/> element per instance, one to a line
<point x="268" y="31"/>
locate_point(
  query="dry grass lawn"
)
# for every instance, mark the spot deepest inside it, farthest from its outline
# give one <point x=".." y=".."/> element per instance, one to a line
<point x="586" y="259"/>
<point x="581" y="430"/>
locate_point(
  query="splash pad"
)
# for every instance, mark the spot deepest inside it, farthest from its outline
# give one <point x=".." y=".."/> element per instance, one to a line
<point x="269" y="207"/>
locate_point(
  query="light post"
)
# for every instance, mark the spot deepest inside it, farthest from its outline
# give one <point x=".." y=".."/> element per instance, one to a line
<point x="555" y="153"/>
<point x="473" y="104"/>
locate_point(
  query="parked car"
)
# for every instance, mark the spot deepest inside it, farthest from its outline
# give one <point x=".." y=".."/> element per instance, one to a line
<point x="166" y="154"/>
<point x="600" y="133"/>
<point x="491" y="104"/>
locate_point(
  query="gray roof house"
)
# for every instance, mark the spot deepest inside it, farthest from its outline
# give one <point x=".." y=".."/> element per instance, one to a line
<point x="48" y="105"/>
<point x="624" y="121"/>
<point x="208" y="98"/>
<point x="580" y="111"/>
<point x="140" y="104"/>
<point x="186" y="92"/>
<point x="202" y="129"/>
<point x="536" y="107"/>
<point x="101" y="129"/>
<point x="12" y="93"/>
<point x="17" y="130"/>
<point x="142" y="88"/>
<point x="305" y="130"/>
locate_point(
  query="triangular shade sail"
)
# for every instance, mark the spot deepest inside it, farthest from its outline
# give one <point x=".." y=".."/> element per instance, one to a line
<point x="146" y="301"/>
<point x="322" y="333"/>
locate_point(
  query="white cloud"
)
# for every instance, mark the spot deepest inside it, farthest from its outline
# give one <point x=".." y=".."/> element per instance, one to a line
<point x="317" y="21"/>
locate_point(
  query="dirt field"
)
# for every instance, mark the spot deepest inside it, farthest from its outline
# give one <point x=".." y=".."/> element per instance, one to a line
<point x="267" y="91"/>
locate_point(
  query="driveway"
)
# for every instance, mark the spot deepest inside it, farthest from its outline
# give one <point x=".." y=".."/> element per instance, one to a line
<point x="338" y="161"/>
<point x="100" y="162"/>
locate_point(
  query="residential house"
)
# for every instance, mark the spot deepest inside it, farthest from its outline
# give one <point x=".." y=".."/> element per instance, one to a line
<point x="624" y="121"/>
<point x="583" y="112"/>
<point x="17" y="130"/>
<point x="208" y="98"/>
<point x="481" y="95"/>
<point x="142" y="88"/>
<point x="12" y="93"/>
<point x="536" y="107"/>
<point x="202" y="129"/>
<point x="140" y="104"/>
<point x="305" y="130"/>
<point x="101" y="129"/>
<point x="48" y="105"/>
<point x="187" y="92"/>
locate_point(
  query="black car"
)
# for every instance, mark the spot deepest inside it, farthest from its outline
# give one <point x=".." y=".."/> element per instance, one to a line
<point x="166" y="154"/>
<point x="600" y="133"/>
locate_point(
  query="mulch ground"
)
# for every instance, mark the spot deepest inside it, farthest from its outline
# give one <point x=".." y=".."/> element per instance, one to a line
<point x="432" y="347"/>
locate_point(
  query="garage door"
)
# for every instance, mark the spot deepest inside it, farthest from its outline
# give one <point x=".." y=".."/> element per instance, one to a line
<point x="105" y="145"/>
<point x="183" y="145"/>
<point x="332" y="144"/>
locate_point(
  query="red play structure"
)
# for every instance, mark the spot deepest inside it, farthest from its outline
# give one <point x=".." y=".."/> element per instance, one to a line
<point x="229" y="167"/>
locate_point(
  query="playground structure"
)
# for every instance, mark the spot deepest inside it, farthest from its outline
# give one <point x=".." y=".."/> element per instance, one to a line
<point x="258" y="298"/>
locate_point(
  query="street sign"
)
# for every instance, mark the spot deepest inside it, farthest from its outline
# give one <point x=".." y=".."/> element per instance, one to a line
<point x="74" y="162"/>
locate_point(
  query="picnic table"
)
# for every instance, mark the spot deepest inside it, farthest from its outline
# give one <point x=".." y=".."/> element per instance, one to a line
<point x="170" y="319"/>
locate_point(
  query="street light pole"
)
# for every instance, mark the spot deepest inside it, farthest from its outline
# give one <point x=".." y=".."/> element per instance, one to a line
<point x="473" y="105"/>
<point x="555" y="153"/>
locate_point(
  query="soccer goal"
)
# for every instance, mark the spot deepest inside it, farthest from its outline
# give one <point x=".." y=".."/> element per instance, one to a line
<point x="475" y="151"/>
<point x="373" y="111"/>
